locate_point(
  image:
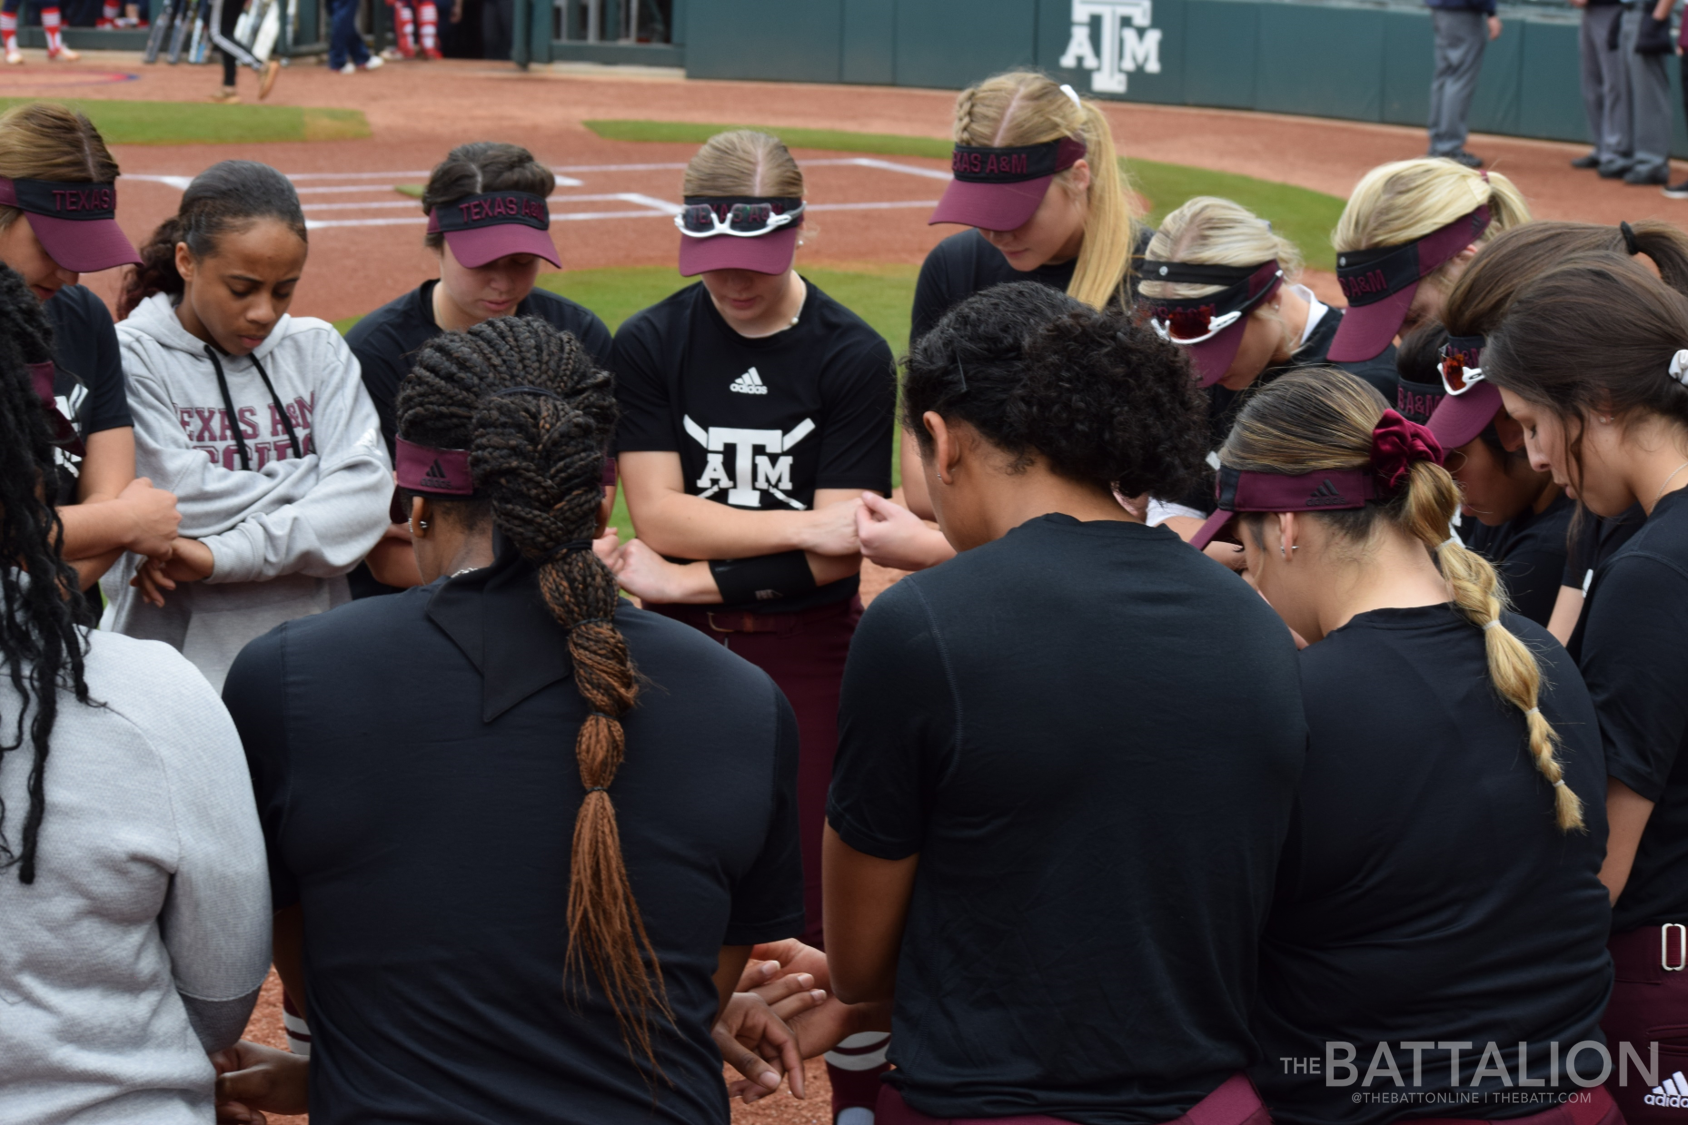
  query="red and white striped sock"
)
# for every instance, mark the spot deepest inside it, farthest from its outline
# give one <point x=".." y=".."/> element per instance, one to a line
<point x="430" y="26"/>
<point x="404" y="28"/>
<point x="50" y="28"/>
<point x="9" y="30"/>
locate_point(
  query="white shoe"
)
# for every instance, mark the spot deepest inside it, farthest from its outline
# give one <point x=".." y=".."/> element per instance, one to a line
<point x="64" y="54"/>
<point x="14" y="57"/>
<point x="349" y="68"/>
<point x="374" y="63"/>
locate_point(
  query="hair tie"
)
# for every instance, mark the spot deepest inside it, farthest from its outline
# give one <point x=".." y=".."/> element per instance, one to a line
<point x="601" y="715"/>
<point x="1679" y="366"/>
<point x="597" y="789"/>
<point x="1397" y="443"/>
<point x="1487" y="625"/>
<point x="1533" y="711"/>
<point x="1560" y="784"/>
<point x="562" y="549"/>
<point x="525" y="390"/>
<point x="1451" y="541"/>
<point x="593" y="621"/>
<point x="1073" y="94"/>
<point x="1629" y="239"/>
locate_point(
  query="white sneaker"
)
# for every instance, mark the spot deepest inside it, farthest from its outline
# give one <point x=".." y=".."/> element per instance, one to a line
<point x="374" y="63"/>
<point x="349" y="68"/>
<point x="14" y="57"/>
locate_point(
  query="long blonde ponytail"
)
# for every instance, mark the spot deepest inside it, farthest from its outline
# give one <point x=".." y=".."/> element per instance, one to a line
<point x="1023" y="107"/>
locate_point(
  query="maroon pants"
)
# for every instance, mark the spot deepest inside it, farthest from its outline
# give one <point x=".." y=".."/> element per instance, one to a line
<point x="1650" y="1005"/>
<point x="804" y="653"/>
<point x="1234" y="1102"/>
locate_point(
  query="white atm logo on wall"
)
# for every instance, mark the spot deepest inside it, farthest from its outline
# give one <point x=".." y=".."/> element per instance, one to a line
<point x="1128" y="42"/>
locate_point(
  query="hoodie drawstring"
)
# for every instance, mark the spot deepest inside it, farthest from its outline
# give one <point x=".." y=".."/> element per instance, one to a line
<point x="234" y="419"/>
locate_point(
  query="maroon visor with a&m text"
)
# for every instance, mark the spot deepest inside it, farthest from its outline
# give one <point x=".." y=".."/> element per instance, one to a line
<point x="1000" y="188"/>
<point x="483" y="228"/>
<point x="75" y="223"/>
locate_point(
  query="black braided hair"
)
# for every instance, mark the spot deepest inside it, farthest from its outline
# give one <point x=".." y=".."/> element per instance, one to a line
<point x="537" y="457"/>
<point x="40" y="640"/>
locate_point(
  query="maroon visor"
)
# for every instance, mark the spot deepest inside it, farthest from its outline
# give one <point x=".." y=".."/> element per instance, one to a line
<point x="1379" y="285"/>
<point x="1000" y="188"/>
<point x="436" y="472"/>
<point x="1471" y="403"/>
<point x="483" y="228"/>
<point x="76" y="223"/>
<point x="1210" y="327"/>
<point x="1241" y="491"/>
<point x="756" y="233"/>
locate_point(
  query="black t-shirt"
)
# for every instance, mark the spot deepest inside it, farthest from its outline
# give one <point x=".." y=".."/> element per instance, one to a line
<point x="760" y="424"/>
<point x="964" y="264"/>
<point x="1426" y="892"/>
<point x="1097" y="840"/>
<point x="1529" y="552"/>
<point x="387" y="340"/>
<point x="1630" y="646"/>
<point x="88" y="382"/>
<point x="414" y="766"/>
<point x="1597" y="539"/>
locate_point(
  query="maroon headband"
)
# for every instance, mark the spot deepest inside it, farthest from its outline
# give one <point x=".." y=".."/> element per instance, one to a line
<point x="1396" y="444"/>
<point x="439" y="472"/>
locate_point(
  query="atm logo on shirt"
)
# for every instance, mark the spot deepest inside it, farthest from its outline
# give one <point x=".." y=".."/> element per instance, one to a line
<point x="752" y="473"/>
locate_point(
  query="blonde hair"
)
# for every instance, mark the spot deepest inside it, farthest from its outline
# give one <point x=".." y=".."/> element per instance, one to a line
<point x="743" y="162"/>
<point x="48" y="141"/>
<point x="1394" y="204"/>
<point x="1322" y="419"/>
<point x="1023" y="107"/>
<point x="1210" y="231"/>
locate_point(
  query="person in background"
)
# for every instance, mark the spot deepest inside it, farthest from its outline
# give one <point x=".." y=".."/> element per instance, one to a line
<point x="255" y="419"/>
<point x="224" y="17"/>
<point x="347" y="52"/>
<point x="498" y="18"/>
<point x="1462" y="29"/>
<point x="1592" y="360"/>
<point x="52" y="27"/>
<point x="1408" y="231"/>
<point x="134" y="914"/>
<point x="1079" y="239"/>
<point x="1605" y="89"/>
<point x="488" y="226"/>
<point x="1645" y="45"/>
<point x="58" y="200"/>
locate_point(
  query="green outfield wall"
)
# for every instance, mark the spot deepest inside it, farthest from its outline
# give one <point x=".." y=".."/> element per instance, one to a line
<point x="1348" y="61"/>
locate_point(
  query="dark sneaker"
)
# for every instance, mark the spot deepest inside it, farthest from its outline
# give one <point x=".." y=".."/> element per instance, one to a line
<point x="1641" y="177"/>
<point x="1676" y="191"/>
<point x="1616" y="170"/>
<point x="1588" y="160"/>
<point x="1467" y="159"/>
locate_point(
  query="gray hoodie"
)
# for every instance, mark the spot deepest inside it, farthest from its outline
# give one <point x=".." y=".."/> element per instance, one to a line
<point x="283" y="533"/>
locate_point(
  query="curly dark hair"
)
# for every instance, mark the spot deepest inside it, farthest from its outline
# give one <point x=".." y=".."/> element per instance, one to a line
<point x="483" y="166"/>
<point x="536" y="413"/>
<point x="1101" y="398"/>
<point x="41" y="618"/>
<point x="227" y="196"/>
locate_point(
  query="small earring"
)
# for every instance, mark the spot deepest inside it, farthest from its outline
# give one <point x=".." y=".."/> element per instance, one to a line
<point x="423" y="524"/>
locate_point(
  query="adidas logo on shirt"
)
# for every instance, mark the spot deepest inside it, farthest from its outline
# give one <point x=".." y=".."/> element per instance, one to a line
<point x="1325" y="494"/>
<point x="1672" y="1093"/>
<point x="750" y="383"/>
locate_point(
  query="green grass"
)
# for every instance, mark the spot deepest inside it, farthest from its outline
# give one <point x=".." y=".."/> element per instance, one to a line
<point x="1302" y="216"/>
<point x="179" y="123"/>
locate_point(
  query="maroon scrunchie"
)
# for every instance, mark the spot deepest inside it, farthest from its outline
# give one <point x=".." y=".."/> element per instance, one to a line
<point x="1397" y="443"/>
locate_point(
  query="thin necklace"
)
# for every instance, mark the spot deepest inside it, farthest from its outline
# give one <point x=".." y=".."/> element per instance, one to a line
<point x="1668" y="479"/>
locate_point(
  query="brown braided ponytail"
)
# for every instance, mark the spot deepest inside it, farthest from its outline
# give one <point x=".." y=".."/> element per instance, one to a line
<point x="536" y="413"/>
<point x="1322" y="419"/>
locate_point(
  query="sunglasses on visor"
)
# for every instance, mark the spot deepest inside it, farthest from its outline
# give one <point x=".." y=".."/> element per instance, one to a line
<point x="1457" y="377"/>
<point x="745" y="220"/>
<point x="1196" y="325"/>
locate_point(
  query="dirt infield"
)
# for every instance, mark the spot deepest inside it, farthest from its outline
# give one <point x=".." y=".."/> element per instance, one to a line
<point x="616" y="198"/>
<point x="418" y="110"/>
